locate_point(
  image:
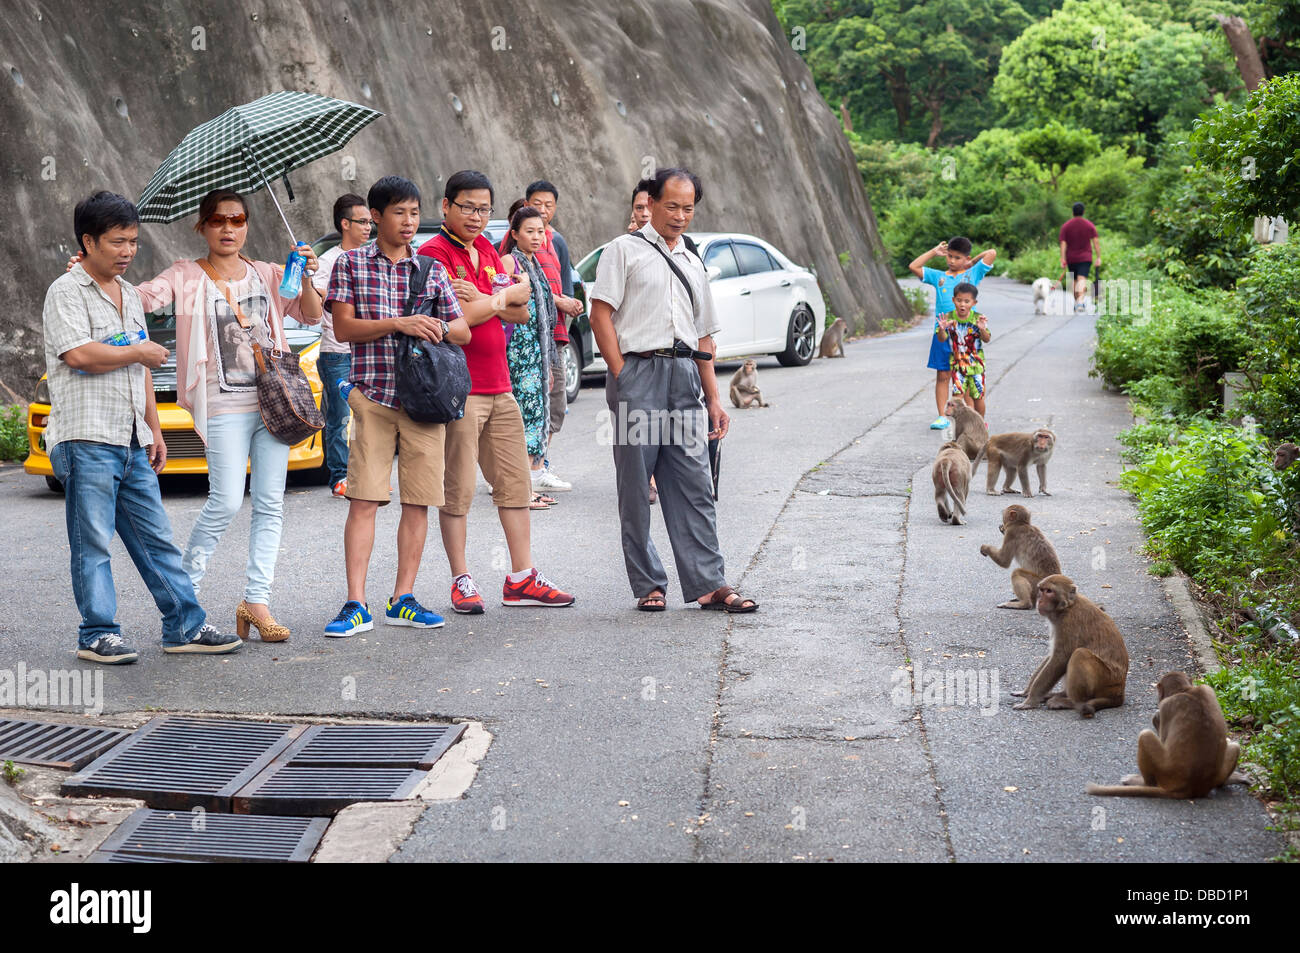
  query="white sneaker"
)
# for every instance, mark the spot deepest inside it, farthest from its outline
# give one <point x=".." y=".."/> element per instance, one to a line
<point x="549" y="481"/>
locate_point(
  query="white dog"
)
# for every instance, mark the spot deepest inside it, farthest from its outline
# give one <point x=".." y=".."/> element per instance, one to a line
<point x="1043" y="288"/>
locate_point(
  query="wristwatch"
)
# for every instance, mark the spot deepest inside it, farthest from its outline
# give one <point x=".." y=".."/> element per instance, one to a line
<point x="445" y="326"/>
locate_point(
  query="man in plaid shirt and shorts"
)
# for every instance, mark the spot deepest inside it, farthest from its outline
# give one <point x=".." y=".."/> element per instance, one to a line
<point x="367" y="297"/>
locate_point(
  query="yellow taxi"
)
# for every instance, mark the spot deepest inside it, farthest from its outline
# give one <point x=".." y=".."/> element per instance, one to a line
<point x="185" y="450"/>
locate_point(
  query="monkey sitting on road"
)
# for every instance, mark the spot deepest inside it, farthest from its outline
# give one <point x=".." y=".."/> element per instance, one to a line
<point x="1086" y="648"/>
<point x="744" y="387"/>
<point x="1192" y="754"/>
<point x="1026" y="544"/>
<point x="971" y="431"/>
<point x="1016" y="451"/>
<point x="833" y="339"/>
<point x="951" y="476"/>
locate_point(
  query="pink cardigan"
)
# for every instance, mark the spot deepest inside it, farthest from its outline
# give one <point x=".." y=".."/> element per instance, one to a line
<point x="185" y="285"/>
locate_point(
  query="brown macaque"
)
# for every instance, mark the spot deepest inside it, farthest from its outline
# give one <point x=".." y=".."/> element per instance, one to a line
<point x="1191" y="755"/>
<point x="833" y="339"/>
<point x="744" y="387"/>
<point x="1016" y="451"/>
<point x="951" y="475"/>
<point x="971" y="433"/>
<point x="1026" y="544"/>
<point x="1285" y="455"/>
<point x="1086" y="648"/>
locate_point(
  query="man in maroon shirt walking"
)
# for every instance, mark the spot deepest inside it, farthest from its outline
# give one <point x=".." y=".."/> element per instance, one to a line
<point x="1080" y="249"/>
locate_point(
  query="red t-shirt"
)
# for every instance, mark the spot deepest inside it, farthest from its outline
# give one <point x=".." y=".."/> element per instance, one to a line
<point x="1077" y="234"/>
<point x="550" y="263"/>
<point x="485" y="354"/>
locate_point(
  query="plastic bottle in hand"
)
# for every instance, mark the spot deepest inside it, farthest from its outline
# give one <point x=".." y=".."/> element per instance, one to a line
<point x="122" y="339"/>
<point x="292" y="283"/>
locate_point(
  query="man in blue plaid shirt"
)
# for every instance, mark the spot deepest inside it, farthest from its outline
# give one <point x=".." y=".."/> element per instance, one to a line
<point x="367" y="298"/>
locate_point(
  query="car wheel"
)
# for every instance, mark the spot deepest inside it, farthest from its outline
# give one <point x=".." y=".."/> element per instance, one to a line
<point x="54" y="484"/>
<point x="800" y="339"/>
<point x="573" y="368"/>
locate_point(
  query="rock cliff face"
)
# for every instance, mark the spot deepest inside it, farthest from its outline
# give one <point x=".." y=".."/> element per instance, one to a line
<point x="590" y="94"/>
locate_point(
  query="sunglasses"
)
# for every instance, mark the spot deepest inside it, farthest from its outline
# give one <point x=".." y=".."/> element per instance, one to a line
<point x="220" y="220"/>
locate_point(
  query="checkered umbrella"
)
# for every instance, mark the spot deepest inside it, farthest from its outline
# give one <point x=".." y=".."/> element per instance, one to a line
<point x="272" y="135"/>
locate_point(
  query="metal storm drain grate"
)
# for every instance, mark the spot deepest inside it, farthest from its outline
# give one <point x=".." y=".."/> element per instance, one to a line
<point x="283" y="789"/>
<point x="180" y="763"/>
<point x="381" y="746"/>
<point x="55" y="745"/>
<point x="149" y="836"/>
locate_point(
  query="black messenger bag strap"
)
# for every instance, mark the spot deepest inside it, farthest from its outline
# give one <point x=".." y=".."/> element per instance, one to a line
<point x="676" y="271"/>
<point x="419" y="278"/>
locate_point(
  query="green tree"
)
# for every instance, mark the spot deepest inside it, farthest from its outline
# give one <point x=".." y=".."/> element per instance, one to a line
<point x="927" y="61"/>
<point x="1057" y="147"/>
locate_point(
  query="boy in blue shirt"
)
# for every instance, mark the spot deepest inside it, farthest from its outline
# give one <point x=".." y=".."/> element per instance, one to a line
<point x="961" y="268"/>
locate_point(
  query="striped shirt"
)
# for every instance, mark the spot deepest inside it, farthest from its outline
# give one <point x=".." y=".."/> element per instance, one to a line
<point x="376" y="287"/>
<point x="651" y="306"/>
<point x="104" y="408"/>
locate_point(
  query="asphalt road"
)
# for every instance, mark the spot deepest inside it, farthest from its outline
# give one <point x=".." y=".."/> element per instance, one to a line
<point x="790" y="734"/>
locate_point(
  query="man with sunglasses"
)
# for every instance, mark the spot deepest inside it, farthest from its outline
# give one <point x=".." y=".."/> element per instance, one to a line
<point x="352" y="221"/>
<point x="491" y="433"/>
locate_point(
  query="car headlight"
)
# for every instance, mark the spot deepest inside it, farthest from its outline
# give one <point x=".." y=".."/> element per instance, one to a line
<point x="42" y="392"/>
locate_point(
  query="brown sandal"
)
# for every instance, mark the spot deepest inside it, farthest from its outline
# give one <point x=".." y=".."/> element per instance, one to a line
<point x="738" y="605"/>
<point x="648" y="603"/>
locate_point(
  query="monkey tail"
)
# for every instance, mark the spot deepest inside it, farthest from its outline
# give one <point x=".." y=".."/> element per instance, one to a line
<point x="958" y="504"/>
<point x="1127" y="790"/>
<point x="975" y="465"/>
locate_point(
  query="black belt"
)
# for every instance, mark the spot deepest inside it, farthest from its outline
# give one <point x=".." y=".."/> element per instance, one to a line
<point x="679" y="349"/>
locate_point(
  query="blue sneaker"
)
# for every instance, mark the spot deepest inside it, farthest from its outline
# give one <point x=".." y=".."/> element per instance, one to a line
<point x="406" y="611"/>
<point x="352" y="618"/>
<point x="939" y="423"/>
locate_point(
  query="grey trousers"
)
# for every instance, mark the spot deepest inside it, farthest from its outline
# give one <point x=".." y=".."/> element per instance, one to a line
<point x="661" y="428"/>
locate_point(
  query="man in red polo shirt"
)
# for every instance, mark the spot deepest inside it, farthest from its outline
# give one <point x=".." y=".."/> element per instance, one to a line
<point x="491" y="433"/>
<point x="1080" y="248"/>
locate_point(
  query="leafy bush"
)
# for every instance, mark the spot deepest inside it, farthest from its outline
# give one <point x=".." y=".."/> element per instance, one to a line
<point x="13" y="432"/>
<point x="1214" y="505"/>
<point x="1105" y="184"/>
<point x="1264" y="694"/>
<point x="1270" y="296"/>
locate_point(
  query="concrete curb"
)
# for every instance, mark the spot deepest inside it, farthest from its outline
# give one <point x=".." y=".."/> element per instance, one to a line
<point x="1179" y="591"/>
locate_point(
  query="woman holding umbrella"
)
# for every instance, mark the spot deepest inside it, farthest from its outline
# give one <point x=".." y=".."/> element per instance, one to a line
<point x="216" y="384"/>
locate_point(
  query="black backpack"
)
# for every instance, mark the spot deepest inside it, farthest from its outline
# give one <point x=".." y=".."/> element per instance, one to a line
<point x="432" y="379"/>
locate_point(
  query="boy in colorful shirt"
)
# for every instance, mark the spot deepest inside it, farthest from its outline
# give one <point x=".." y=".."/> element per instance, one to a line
<point x="969" y="332"/>
<point x="962" y="269"/>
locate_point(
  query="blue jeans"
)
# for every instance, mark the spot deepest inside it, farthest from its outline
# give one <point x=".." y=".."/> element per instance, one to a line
<point x="332" y="369"/>
<point x="111" y="487"/>
<point x="234" y="439"/>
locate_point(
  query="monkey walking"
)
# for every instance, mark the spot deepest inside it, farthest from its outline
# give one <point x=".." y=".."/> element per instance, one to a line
<point x="971" y="431"/>
<point x="833" y="339"/>
<point x="1085" y="647"/>
<point x="951" y="476"/>
<point x="1026" y="544"/>
<point x="1192" y="754"/>
<point x="744" y="387"/>
<point x="1016" y="451"/>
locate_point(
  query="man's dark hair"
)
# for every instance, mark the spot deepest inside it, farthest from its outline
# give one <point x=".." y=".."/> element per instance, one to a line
<point x="1078" y="208"/>
<point x="655" y="185"/>
<point x="966" y="288"/>
<point x="390" y="190"/>
<point x="99" y="213"/>
<point x="541" y="185"/>
<point x="959" y="244"/>
<point x="467" y="181"/>
<point x="643" y="186"/>
<point x="344" y="204"/>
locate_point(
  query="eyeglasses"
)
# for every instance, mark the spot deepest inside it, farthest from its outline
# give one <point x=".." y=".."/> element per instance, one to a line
<point x="474" y="211"/>
<point x="363" y="222"/>
<point x="220" y="221"/>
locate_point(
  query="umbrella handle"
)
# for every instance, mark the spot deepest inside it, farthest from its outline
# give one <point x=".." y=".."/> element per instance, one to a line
<point x="248" y="154"/>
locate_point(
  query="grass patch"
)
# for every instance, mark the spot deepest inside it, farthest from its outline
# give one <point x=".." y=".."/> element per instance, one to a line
<point x="13" y="432"/>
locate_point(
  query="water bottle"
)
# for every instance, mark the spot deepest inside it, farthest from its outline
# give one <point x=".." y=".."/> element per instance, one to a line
<point x="292" y="283"/>
<point x="345" y="388"/>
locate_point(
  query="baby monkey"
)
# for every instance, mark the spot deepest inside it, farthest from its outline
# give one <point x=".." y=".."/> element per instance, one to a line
<point x="744" y="387"/>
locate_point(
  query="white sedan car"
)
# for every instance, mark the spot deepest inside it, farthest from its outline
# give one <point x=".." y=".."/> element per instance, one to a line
<point x="766" y="303"/>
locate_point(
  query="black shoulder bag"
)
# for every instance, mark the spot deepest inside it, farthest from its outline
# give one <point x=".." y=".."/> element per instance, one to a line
<point x="432" y="378"/>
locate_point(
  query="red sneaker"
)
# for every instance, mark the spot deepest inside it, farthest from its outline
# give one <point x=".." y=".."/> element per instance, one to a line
<point x="464" y="596"/>
<point x="533" y="590"/>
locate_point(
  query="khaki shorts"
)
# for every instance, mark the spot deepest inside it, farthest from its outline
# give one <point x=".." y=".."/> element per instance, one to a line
<point x="375" y="431"/>
<point x="491" y="435"/>
<point x="559" y="394"/>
